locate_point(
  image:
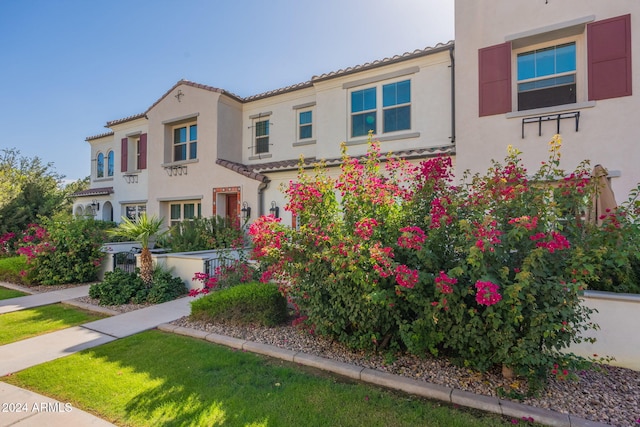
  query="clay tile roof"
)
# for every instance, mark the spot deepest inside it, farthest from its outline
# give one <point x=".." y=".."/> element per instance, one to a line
<point x="196" y="85"/>
<point x="124" y="120"/>
<point x="102" y="191"/>
<point x="386" y="61"/>
<point x="417" y="153"/>
<point x="291" y="88"/>
<point x="242" y="170"/>
<point x="102" y="135"/>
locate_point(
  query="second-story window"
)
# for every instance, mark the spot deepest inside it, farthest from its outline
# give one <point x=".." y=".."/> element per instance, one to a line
<point x="261" y="143"/>
<point x="110" y="163"/>
<point x="305" y="125"/>
<point x="185" y="143"/>
<point x="363" y="112"/>
<point x="100" y="166"/>
<point x="396" y="106"/>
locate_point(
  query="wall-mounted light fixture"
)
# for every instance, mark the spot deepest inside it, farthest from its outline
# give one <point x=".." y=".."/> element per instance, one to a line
<point x="246" y="211"/>
<point x="95" y="205"/>
<point x="275" y="210"/>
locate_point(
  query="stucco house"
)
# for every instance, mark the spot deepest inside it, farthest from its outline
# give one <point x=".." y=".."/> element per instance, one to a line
<point x="202" y="151"/>
<point x="567" y="68"/>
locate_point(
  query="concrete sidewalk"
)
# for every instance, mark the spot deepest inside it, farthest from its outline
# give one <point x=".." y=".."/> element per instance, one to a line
<point x="25" y="408"/>
<point x="37" y="300"/>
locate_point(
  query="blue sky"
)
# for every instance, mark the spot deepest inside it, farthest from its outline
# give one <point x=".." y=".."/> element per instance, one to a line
<point x="69" y="66"/>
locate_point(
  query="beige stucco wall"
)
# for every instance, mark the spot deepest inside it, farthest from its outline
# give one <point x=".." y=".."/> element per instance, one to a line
<point x="608" y="129"/>
<point x="219" y="119"/>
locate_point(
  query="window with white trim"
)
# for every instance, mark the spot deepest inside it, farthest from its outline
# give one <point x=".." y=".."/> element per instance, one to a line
<point x="100" y="166"/>
<point x="546" y="76"/>
<point x="185" y="142"/>
<point x="110" y="163"/>
<point x="396" y="108"/>
<point x="305" y="125"/>
<point x="184" y="211"/>
<point x="133" y="212"/>
<point x="261" y="142"/>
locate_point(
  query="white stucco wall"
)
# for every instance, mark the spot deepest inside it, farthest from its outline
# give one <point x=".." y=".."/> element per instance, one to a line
<point x="608" y="129"/>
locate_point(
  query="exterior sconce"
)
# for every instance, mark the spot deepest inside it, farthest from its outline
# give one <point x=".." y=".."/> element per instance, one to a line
<point x="246" y="211"/>
<point x="95" y="205"/>
<point x="275" y="210"/>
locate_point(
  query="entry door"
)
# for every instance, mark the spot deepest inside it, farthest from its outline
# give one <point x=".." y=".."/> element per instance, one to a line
<point x="232" y="206"/>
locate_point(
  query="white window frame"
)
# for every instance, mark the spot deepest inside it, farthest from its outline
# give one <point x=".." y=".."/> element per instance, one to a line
<point x="100" y="165"/>
<point x="379" y="108"/>
<point x="138" y="209"/>
<point x="580" y="72"/>
<point x="197" y="211"/>
<point x="300" y="125"/>
<point x="111" y="163"/>
<point x="188" y="143"/>
<point x="261" y="139"/>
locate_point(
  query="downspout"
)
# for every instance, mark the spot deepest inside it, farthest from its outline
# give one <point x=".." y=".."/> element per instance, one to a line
<point x="263" y="186"/>
<point x="453" y="95"/>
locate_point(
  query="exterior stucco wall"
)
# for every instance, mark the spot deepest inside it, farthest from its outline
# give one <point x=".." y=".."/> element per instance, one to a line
<point x="219" y="128"/>
<point x="608" y="129"/>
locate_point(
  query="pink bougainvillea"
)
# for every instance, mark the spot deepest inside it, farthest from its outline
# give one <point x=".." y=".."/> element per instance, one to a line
<point x="487" y="293"/>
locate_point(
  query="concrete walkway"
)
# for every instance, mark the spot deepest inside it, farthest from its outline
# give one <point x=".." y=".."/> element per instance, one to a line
<point x="32" y="409"/>
<point x="25" y="408"/>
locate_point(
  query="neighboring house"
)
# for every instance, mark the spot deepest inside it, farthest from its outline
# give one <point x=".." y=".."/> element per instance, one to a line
<point x="202" y="151"/>
<point x="526" y="70"/>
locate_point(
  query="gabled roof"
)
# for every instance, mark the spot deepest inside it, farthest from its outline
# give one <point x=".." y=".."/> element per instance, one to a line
<point x="102" y="191"/>
<point x="196" y="85"/>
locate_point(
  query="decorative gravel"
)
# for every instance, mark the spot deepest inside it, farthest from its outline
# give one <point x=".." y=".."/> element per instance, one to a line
<point x="608" y="394"/>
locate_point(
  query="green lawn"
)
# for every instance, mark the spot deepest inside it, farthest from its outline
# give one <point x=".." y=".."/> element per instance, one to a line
<point x="157" y="378"/>
<point x="6" y="293"/>
<point x="18" y="325"/>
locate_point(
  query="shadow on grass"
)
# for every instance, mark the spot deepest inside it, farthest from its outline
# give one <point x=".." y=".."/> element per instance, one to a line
<point x="156" y="378"/>
<point x="22" y="324"/>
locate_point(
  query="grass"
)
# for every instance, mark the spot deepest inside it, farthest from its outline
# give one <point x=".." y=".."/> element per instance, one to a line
<point x="6" y="293"/>
<point x="157" y="378"/>
<point x="10" y="269"/>
<point x="19" y="325"/>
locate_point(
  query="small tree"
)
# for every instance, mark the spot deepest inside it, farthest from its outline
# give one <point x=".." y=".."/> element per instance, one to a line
<point x="143" y="229"/>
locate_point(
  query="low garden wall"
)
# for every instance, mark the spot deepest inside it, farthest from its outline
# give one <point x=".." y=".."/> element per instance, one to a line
<point x="110" y="249"/>
<point x="619" y="335"/>
<point x="186" y="264"/>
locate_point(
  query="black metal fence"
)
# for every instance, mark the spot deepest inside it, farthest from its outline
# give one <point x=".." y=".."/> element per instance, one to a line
<point x="125" y="261"/>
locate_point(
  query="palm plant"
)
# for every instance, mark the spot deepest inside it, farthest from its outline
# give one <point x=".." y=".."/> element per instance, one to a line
<point x="143" y="230"/>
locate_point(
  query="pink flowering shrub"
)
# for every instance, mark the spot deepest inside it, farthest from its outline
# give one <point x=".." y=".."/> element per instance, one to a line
<point x="393" y="255"/>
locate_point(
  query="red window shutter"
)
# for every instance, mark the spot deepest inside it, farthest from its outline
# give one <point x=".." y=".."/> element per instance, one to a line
<point x="609" y="57"/>
<point x="143" y="152"/>
<point x="124" y="154"/>
<point x="494" y="65"/>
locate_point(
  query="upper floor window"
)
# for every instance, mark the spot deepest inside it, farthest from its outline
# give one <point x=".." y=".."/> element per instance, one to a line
<point x="547" y="76"/>
<point x="305" y="125"/>
<point x="100" y="166"/>
<point x="185" y="143"/>
<point x="110" y="163"/>
<point x="396" y="104"/>
<point x="363" y="112"/>
<point x="396" y="108"/>
<point x="261" y="142"/>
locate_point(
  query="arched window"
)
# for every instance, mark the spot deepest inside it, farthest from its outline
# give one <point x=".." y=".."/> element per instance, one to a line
<point x="100" y="166"/>
<point x="110" y="163"/>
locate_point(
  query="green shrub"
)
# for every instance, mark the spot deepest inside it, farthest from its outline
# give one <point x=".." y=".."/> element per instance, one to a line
<point x="70" y="251"/>
<point x="249" y="303"/>
<point x="203" y="234"/>
<point x="120" y="287"/>
<point x="11" y="270"/>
